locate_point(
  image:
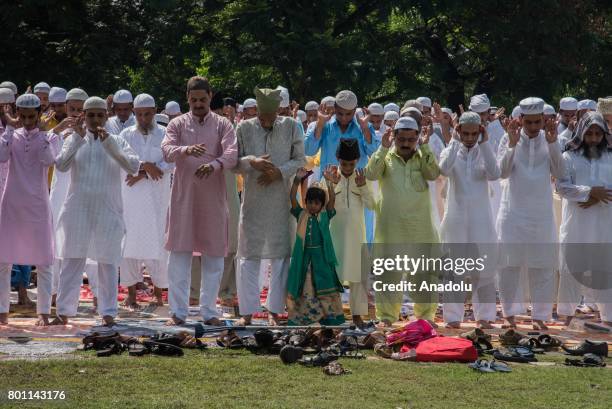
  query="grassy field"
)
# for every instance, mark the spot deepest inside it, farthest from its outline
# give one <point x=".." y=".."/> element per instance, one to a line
<point x="228" y="379"/>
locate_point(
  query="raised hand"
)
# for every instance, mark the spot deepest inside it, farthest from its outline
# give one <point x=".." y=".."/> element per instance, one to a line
<point x="360" y="179"/>
<point x="550" y="130"/>
<point x="301" y="174"/>
<point x="387" y="138"/>
<point x="79" y="126"/>
<point x="102" y="133"/>
<point x="66" y="123"/>
<point x="45" y="120"/>
<point x="426" y="132"/>
<point x="484" y="133"/>
<point x="9" y="119"/>
<point x="196" y="150"/>
<point x="438" y="115"/>
<point x="364" y="122"/>
<point x="331" y="174"/>
<point x="461" y="110"/>
<point x="514" y="132"/>
<point x="499" y="113"/>
<point x="322" y="116"/>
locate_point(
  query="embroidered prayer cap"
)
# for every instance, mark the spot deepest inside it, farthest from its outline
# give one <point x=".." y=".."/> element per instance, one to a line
<point x="469" y="117"/>
<point x="376" y="109"/>
<point x="587" y="104"/>
<point x="301" y="115"/>
<point x="424" y="101"/>
<point x="480" y="103"/>
<point x="604" y="106"/>
<point x="42" y="87"/>
<point x="391" y="106"/>
<point x="123" y="96"/>
<point x="268" y="100"/>
<point x="94" y="103"/>
<point x="57" y="95"/>
<point x="311" y="106"/>
<point x="28" y="101"/>
<point x="549" y="109"/>
<point x="532" y="106"/>
<point x="346" y="99"/>
<point x="516" y="112"/>
<point x="6" y="96"/>
<point x="162" y="119"/>
<point x="144" y="101"/>
<point x="172" y="108"/>
<point x="328" y="101"/>
<point x="284" y="93"/>
<point x="406" y="122"/>
<point x="249" y="103"/>
<point x="348" y="149"/>
<point x="391" y="116"/>
<point x="568" y="104"/>
<point x="76" y="94"/>
<point x="10" y="85"/>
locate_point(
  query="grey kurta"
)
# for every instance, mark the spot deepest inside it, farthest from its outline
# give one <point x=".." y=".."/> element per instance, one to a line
<point x="264" y="229"/>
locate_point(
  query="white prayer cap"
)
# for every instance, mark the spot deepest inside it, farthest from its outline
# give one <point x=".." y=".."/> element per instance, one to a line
<point x="10" y="85"/>
<point x="604" y="106"/>
<point x="425" y="101"/>
<point x="516" y="112"/>
<point x="123" y="96"/>
<point x="144" y="101"/>
<point x="284" y="93"/>
<point x="301" y="116"/>
<point x="240" y="108"/>
<point x="172" y="108"/>
<point x="6" y="96"/>
<point x="406" y="110"/>
<point x="588" y="104"/>
<point x="376" y="109"/>
<point x="346" y="99"/>
<point x="392" y="107"/>
<point x="42" y="87"/>
<point x="469" y="117"/>
<point x="391" y="116"/>
<point x="549" y="109"/>
<point x="28" y="101"/>
<point x="162" y="118"/>
<point x="76" y="94"/>
<point x="311" y="106"/>
<point x="57" y="95"/>
<point x="249" y="103"/>
<point x="406" y="122"/>
<point x="328" y="101"/>
<point x="532" y="106"/>
<point x="94" y="103"/>
<point x="448" y="111"/>
<point x="568" y="104"/>
<point x="480" y="103"/>
<point x="359" y="113"/>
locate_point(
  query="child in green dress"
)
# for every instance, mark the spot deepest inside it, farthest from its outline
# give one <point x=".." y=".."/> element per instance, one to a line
<point x="313" y="287"/>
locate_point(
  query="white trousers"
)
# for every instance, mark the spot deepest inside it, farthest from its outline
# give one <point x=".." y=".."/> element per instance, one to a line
<point x="571" y="291"/>
<point x="179" y="277"/>
<point x="131" y="272"/>
<point x="69" y="288"/>
<point x="43" y="288"/>
<point x="483" y="302"/>
<point x="541" y="292"/>
<point x="247" y="282"/>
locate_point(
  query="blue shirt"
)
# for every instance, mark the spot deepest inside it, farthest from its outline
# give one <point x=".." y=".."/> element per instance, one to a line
<point x="330" y="139"/>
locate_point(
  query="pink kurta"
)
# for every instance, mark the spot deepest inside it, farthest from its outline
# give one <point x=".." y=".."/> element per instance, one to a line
<point x="25" y="214"/>
<point x="198" y="213"/>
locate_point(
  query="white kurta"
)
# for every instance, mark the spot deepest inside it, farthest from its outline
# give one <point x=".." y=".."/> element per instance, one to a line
<point x="496" y="132"/>
<point x="59" y="186"/>
<point x="526" y="212"/>
<point x="114" y="126"/>
<point x="91" y="222"/>
<point x="347" y="228"/>
<point x="145" y="204"/>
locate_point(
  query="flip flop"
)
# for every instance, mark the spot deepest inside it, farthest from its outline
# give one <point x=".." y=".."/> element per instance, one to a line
<point x="481" y="365"/>
<point x="159" y="348"/>
<point x="116" y="348"/>
<point x="229" y="339"/>
<point x="321" y="359"/>
<point x="137" y="349"/>
<point x="499" y="366"/>
<point x="547" y="342"/>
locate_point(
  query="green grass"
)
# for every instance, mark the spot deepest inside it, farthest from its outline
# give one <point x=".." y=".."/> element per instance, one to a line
<point x="228" y="379"/>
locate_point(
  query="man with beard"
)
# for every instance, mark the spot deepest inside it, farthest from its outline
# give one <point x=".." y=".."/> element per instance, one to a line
<point x="586" y="188"/>
<point x="122" y="108"/>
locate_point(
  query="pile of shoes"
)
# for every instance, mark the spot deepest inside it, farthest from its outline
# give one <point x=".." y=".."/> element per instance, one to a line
<point x="522" y="348"/>
<point x="593" y="354"/>
<point x="112" y="343"/>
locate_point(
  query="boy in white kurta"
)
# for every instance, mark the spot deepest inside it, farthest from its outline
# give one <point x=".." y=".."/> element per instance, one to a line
<point x="527" y="157"/>
<point x="146" y="195"/>
<point x="347" y="228"/>
<point x="91" y="223"/>
<point x="469" y="163"/>
<point x="586" y="189"/>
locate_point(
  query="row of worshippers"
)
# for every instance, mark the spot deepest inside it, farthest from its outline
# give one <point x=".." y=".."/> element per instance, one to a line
<point x="267" y="150"/>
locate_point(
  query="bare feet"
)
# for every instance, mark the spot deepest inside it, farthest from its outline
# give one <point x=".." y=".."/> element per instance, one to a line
<point x="108" y="321"/>
<point x="3" y="318"/>
<point x="23" y="298"/>
<point x="539" y="325"/>
<point x="482" y="324"/>
<point x="244" y="320"/>
<point x="511" y="322"/>
<point x="213" y="321"/>
<point x="453" y="325"/>
<point x="174" y="321"/>
<point x="272" y="319"/>
<point x="53" y="300"/>
<point x="60" y="320"/>
<point x="358" y="321"/>
<point x="43" y="320"/>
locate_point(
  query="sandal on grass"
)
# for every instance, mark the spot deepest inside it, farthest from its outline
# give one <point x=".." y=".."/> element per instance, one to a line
<point x="159" y="348"/>
<point x="588" y="360"/>
<point x="229" y="339"/>
<point x="321" y="359"/>
<point x="335" y="368"/>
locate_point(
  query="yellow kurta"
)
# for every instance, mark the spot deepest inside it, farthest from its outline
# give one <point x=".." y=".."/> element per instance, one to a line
<point x="50" y="125"/>
<point x="403" y="216"/>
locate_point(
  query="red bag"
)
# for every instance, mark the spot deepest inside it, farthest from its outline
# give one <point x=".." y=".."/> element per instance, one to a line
<point x="446" y="349"/>
<point x="412" y="333"/>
